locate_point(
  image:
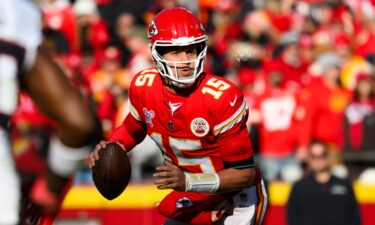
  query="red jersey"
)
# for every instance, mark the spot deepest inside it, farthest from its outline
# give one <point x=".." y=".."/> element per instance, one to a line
<point x="60" y="16"/>
<point x="277" y="107"/>
<point x="324" y="107"/>
<point x="199" y="131"/>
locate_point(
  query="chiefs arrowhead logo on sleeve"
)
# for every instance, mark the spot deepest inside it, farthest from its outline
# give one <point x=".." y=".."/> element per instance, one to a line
<point x="152" y="29"/>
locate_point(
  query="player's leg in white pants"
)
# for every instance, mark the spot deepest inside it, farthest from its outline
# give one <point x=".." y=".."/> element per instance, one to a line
<point x="9" y="184"/>
<point x="249" y="206"/>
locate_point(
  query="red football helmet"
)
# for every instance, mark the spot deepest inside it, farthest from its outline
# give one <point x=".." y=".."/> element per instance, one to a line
<point x="177" y="27"/>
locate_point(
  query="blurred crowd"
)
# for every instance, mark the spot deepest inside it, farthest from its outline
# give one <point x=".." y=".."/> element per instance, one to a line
<point x="305" y="67"/>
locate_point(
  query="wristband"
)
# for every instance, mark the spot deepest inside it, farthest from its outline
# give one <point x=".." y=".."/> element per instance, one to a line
<point x="202" y="182"/>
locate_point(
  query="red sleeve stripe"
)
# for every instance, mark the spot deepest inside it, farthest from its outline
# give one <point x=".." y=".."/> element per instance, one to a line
<point x="231" y="121"/>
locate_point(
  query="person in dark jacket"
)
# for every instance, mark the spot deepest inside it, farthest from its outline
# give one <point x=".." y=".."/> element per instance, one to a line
<point x="321" y="198"/>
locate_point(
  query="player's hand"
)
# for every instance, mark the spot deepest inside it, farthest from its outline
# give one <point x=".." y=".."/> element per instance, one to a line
<point x="94" y="155"/>
<point x="169" y="176"/>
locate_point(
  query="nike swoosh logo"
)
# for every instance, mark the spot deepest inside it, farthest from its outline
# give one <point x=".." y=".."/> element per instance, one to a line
<point x="174" y="106"/>
<point x="232" y="103"/>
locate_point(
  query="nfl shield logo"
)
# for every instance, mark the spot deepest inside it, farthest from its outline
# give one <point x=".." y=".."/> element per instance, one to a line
<point x="149" y="115"/>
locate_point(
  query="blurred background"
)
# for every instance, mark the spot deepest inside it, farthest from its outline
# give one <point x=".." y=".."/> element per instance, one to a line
<point x="306" y="68"/>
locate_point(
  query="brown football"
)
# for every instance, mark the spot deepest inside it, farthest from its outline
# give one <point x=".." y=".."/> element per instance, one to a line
<point x="112" y="172"/>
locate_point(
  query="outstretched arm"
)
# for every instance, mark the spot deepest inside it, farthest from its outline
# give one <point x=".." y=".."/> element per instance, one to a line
<point x="52" y="93"/>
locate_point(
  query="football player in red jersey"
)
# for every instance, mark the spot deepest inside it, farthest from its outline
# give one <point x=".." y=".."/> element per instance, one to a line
<point x="199" y="122"/>
<point x="23" y="62"/>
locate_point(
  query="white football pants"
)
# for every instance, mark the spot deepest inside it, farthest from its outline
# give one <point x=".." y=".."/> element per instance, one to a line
<point x="249" y="207"/>
<point x="9" y="184"/>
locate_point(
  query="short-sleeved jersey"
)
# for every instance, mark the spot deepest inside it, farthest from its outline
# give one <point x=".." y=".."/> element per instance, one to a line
<point x="198" y="131"/>
<point x="20" y="25"/>
<point x="20" y="36"/>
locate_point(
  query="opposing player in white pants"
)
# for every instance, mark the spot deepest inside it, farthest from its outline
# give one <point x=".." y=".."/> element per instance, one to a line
<point x="9" y="182"/>
<point x="24" y="65"/>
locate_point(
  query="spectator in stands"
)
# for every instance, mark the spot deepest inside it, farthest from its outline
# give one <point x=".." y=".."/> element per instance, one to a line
<point x="125" y="25"/>
<point x="306" y="53"/>
<point x="359" y="126"/>
<point x="324" y="103"/>
<point x="248" y="81"/>
<point x="257" y="26"/>
<point x="278" y="138"/>
<point x="59" y="15"/>
<point x="93" y="29"/>
<point x="93" y="32"/>
<point x="140" y="57"/>
<point x="360" y="116"/>
<point x="320" y="198"/>
<point x="245" y="60"/>
<point x="109" y="85"/>
<point x="287" y="56"/>
<point x="226" y="29"/>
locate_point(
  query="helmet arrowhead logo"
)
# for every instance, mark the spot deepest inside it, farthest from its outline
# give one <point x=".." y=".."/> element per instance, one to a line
<point x="152" y="29"/>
